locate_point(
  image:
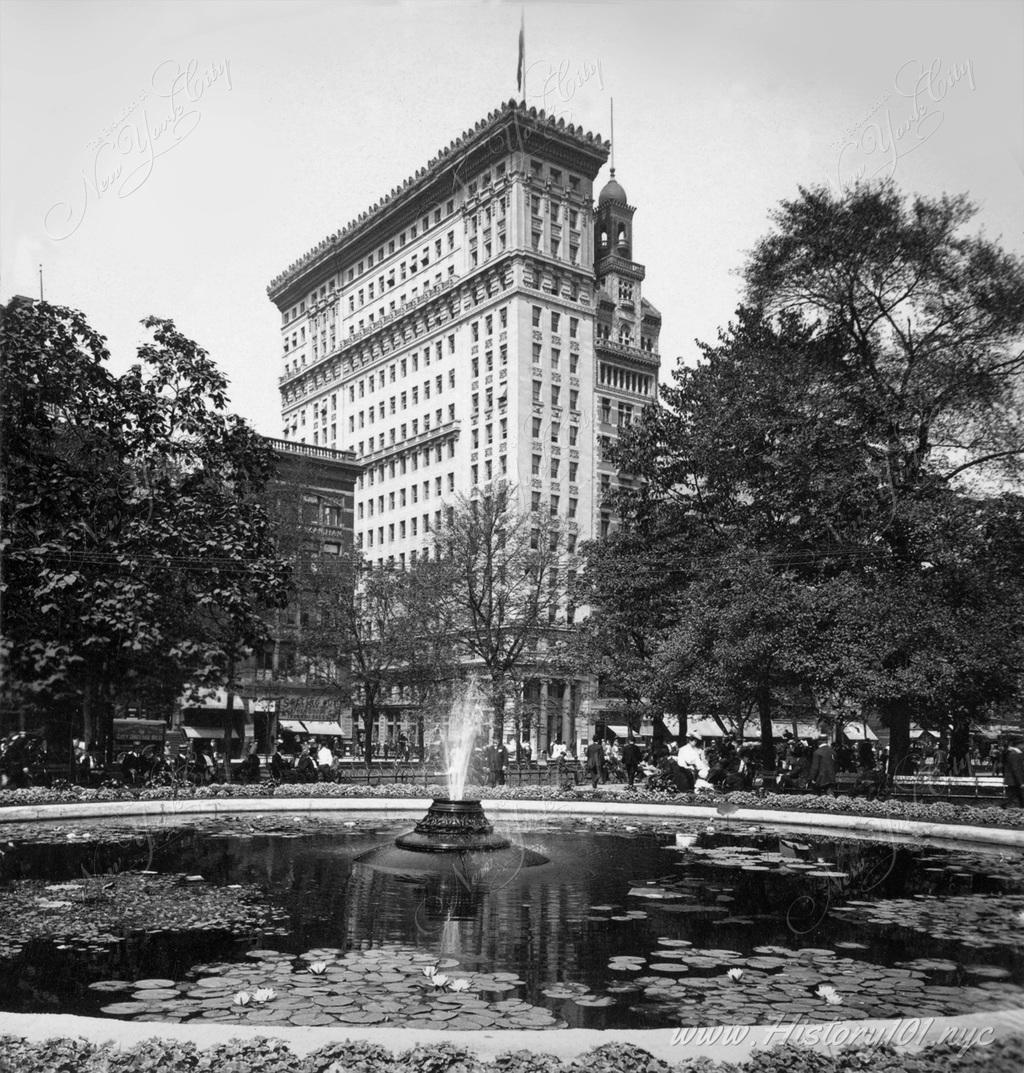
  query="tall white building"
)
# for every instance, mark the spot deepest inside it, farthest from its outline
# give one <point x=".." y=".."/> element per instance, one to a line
<point x="484" y="321"/>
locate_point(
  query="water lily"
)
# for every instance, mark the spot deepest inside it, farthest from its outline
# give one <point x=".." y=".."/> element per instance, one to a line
<point x="734" y="974"/>
<point x="439" y="980"/>
<point x="264" y="994"/>
<point x="829" y="994"/>
<point x="460" y="984"/>
<point x="242" y="998"/>
<point x="318" y="967"/>
<point x="429" y="970"/>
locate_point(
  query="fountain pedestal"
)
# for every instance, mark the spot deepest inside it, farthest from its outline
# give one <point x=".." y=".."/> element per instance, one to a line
<point x="453" y="826"/>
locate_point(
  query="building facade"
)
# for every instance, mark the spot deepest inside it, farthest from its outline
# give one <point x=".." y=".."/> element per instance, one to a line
<point x="483" y="322"/>
<point x="312" y="495"/>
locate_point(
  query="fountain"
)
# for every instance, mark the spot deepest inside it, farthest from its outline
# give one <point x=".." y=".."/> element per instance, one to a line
<point x="455" y="826"/>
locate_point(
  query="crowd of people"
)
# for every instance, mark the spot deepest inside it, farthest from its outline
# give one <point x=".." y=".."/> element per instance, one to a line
<point x="682" y="765"/>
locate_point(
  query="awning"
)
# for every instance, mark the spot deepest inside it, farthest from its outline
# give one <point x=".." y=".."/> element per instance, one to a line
<point x="292" y="725"/>
<point x="207" y="733"/>
<point x="323" y="729"/>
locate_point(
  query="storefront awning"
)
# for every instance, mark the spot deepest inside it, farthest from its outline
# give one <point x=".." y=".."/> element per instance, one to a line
<point x="206" y="733"/>
<point x="292" y="725"/>
<point x="323" y="729"/>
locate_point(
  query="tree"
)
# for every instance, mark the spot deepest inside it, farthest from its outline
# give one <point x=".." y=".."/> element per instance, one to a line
<point x="507" y="577"/>
<point x="361" y="630"/>
<point x="828" y="437"/>
<point x="928" y="327"/>
<point x="136" y="553"/>
<point x="629" y="584"/>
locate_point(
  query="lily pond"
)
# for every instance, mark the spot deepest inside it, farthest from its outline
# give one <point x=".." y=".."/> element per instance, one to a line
<point x="275" y="920"/>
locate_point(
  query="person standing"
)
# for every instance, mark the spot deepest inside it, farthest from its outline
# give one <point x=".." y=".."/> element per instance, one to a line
<point x="305" y="768"/>
<point x="1013" y="774"/>
<point x="324" y="760"/>
<point x="498" y="756"/>
<point x="594" y="761"/>
<point x="631" y="756"/>
<point x="823" y="770"/>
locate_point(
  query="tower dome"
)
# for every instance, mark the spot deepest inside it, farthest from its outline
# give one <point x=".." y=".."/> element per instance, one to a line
<point x="612" y="192"/>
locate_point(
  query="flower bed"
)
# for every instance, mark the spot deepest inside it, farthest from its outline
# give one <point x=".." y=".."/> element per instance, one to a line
<point x="272" y="1056"/>
<point x="918" y="811"/>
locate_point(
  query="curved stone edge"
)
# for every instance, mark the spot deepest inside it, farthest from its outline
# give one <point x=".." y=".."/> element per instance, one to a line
<point x="870" y="825"/>
<point x="733" y="1043"/>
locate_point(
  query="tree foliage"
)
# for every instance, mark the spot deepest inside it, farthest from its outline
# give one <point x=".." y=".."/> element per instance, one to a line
<point x="809" y="477"/>
<point x="137" y="555"/>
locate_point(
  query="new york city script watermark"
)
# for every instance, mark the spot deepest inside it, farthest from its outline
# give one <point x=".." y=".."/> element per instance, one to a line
<point x="121" y="158"/>
<point x="900" y="121"/>
<point x="555" y="86"/>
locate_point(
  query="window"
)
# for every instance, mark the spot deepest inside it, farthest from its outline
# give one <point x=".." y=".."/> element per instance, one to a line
<point x="573" y="433"/>
<point x="574" y="327"/>
<point x="535" y="502"/>
<point x="555" y="392"/>
<point x="574" y="363"/>
<point x="554" y="468"/>
<point x="535" y="465"/>
<point x="573" y="469"/>
<point x="553" y="510"/>
<point x="537" y="390"/>
<point x="556" y="356"/>
<point x="556" y="430"/>
<point x="536" y="316"/>
<point x="555" y="320"/>
<point x="572" y="507"/>
<point x="536" y="428"/>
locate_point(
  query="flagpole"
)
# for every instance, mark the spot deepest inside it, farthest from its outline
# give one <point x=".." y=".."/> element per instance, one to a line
<point x="521" y="70"/>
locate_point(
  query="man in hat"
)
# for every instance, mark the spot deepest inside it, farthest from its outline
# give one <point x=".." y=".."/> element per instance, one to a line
<point x="1013" y="773"/>
<point x="594" y="761"/>
<point x="822" y="778"/>
<point x="631" y="757"/>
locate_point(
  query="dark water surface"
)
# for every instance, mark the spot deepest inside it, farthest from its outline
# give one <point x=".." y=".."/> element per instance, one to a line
<point x="624" y="925"/>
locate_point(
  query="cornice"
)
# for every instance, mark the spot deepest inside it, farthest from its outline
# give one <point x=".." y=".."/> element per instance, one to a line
<point x="512" y="126"/>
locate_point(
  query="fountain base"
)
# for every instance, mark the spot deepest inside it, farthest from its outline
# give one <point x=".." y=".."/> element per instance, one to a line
<point x="453" y="827"/>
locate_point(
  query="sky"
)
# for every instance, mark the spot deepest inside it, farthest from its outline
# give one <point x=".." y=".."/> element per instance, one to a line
<point x="171" y="158"/>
